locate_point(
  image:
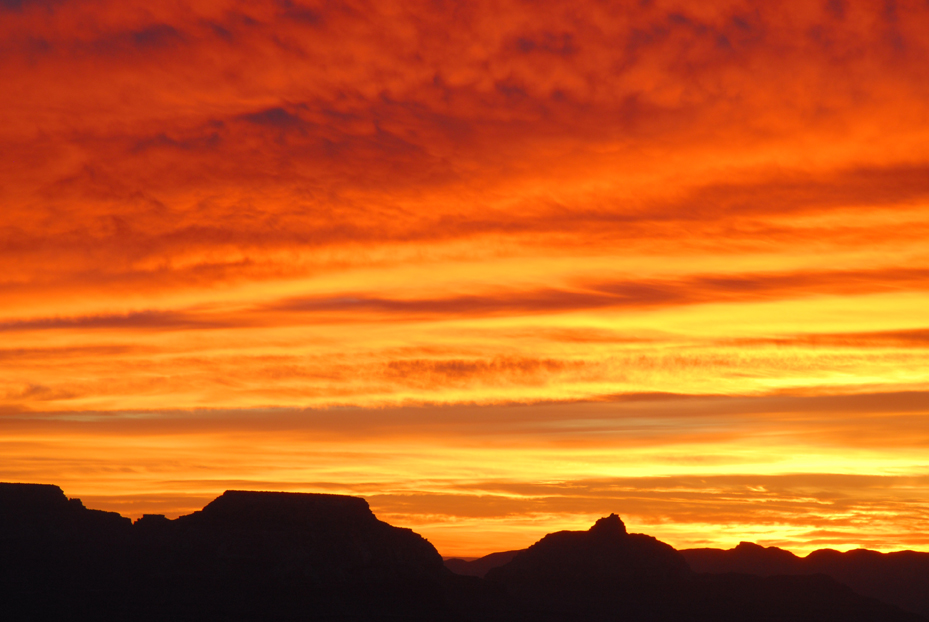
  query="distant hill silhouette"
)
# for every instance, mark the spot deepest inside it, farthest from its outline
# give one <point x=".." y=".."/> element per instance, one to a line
<point x="900" y="578"/>
<point x="288" y="556"/>
<point x="608" y="574"/>
<point x="479" y="567"/>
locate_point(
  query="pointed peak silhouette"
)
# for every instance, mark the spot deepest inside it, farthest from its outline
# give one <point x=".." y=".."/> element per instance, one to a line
<point x="608" y="526"/>
<point x="601" y="558"/>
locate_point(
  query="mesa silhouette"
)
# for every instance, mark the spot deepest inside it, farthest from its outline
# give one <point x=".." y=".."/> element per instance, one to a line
<point x="288" y="556"/>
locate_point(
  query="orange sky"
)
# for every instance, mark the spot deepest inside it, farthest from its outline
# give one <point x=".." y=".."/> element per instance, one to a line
<point x="499" y="267"/>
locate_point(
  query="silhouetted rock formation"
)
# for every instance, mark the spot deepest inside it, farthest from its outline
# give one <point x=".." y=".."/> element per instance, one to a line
<point x="481" y="566"/>
<point x="747" y="557"/>
<point x="267" y="555"/>
<point x="285" y="556"/>
<point x="55" y="554"/>
<point x="30" y="511"/>
<point x="245" y="556"/>
<point x="608" y="574"/>
<point x="600" y="574"/>
<point x="900" y="578"/>
<point x="603" y="555"/>
<point x="258" y="553"/>
<point x="321" y="538"/>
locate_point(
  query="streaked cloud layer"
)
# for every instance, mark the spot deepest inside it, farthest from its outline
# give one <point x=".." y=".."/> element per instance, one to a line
<point x="461" y="258"/>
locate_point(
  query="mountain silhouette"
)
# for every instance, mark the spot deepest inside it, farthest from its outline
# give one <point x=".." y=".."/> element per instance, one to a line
<point x="56" y="556"/>
<point x="245" y="556"/>
<point x="605" y="554"/>
<point x="900" y="578"/>
<point x="606" y="573"/>
<point x="291" y="556"/>
<point x="255" y="555"/>
<point x="319" y="537"/>
<point x="480" y="566"/>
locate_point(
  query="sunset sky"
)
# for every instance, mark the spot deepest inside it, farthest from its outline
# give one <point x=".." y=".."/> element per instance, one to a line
<point x="501" y="268"/>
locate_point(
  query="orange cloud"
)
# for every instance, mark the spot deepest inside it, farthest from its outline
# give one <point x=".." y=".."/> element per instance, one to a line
<point x="235" y="234"/>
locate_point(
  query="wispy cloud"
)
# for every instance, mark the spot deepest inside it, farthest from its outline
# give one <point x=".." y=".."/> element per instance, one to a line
<point x="382" y="227"/>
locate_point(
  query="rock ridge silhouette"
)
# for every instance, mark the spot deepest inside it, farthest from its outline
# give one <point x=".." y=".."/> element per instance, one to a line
<point x="900" y="578"/>
<point x="294" y="556"/>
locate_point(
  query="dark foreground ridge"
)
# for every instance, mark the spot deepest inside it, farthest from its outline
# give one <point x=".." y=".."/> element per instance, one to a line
<point x="900" y="578"/>
<point x="481" y="566"/>
<point x="287" y="556"/>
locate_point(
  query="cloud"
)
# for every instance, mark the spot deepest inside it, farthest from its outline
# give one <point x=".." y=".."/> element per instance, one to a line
<point x="23" y="355"/>
<point x="627" y="293"/>
<point x="619" y="294"/>
<point x="636" y="420"/>
<point x="543" y="220"/>
<point x="915" y="338"/>
<point x="20" y="5"/>
<point x="274" y="117"/>
<point x="154" y="320"/>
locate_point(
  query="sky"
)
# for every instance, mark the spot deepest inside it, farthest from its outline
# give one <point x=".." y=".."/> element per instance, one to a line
<point x="501" y="268"/>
